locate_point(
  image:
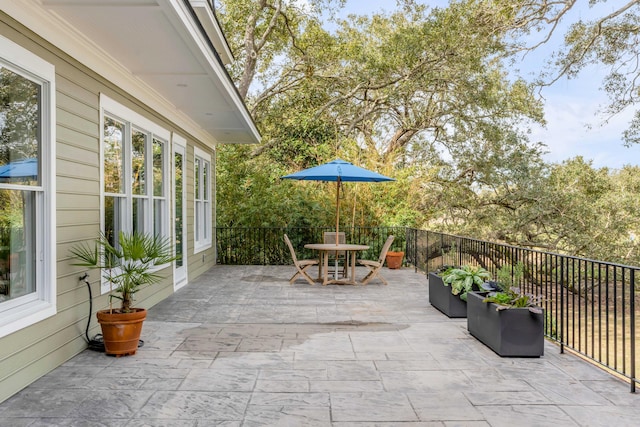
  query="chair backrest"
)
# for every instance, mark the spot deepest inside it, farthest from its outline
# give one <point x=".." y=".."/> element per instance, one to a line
<point x="293" y="253"/>
<point x="385" y="249"/>
<point x="330" y="237"/>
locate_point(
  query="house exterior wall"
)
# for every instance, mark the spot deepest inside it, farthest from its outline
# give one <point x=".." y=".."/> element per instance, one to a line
<point x="29" y="353"/>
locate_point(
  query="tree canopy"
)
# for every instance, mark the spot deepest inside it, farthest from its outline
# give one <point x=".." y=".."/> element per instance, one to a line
<point x="421" y="94"/>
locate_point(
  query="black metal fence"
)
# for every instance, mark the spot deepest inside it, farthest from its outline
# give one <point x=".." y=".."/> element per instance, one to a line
<point x="265" y="246"/>
<point x="590" y="305"/>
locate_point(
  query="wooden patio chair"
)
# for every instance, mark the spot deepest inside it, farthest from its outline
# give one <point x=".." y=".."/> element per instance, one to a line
<point x="375" y="266"/>
<point x="336" y="258"/>
<point x="301" y="265"/>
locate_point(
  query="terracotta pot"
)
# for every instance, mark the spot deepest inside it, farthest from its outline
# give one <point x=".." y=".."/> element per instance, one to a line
<point x="394" y="259"/>
<point x="121" y="331"/>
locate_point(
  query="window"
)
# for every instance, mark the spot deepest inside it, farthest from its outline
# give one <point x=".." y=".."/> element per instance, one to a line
<point x="202" y="196"/>
<point x="27" y="185"/>
<point x="134" y="153"/>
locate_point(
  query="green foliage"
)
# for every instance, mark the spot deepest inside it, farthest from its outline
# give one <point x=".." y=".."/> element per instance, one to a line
<point x="510" y="276"/>
<point x="20" y="117"/>
<point x="506" y="294"/>
<point x="127" y="265"/>
<point x="550" y="326"/>
<point x="463" y="279"/>
<point x="422" y="95"/>
<point x="611" y="41"/>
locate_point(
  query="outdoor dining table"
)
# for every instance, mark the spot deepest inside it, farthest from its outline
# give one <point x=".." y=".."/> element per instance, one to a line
<point x="326" y="249"/>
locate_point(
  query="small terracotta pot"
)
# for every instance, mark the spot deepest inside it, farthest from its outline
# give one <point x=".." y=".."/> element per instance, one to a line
<point x="394" y="259"/>
<point x="121" y="331"/>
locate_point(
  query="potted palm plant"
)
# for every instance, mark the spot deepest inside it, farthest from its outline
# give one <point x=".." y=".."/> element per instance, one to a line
<point x="127" y="265"/>
<point x="506" y="319"/>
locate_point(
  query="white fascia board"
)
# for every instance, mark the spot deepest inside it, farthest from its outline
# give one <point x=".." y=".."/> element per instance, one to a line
<point x="210" y="24"/>
<point x="215" y="64"/>
<point x="58" y="32"/>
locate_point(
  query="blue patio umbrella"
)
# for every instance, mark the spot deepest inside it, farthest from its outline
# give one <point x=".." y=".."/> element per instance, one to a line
<point x="338" y="171"/>
<point x="19" y="170"/>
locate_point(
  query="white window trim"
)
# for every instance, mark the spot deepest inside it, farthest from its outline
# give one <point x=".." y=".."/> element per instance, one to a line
<point x="114" y="109"/>
<point x="199" y="246"/>
<point x="43" y="305"/>
<point x="182" y="143"/>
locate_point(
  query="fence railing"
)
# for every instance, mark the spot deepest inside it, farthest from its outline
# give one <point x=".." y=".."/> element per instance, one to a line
<point x="265" y="246"/>
<point x="590" y="306"/>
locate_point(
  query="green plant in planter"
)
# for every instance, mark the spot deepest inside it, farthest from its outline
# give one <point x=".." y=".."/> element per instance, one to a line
<point x="127" y="265"/>
<point x="443" y="269"/>
<point x="506" y="293"/>
<point x="463" y="279"/>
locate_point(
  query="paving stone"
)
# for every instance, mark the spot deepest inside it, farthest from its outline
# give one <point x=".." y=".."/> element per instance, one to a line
<point x="424" y="381"/>
<point x="528" y="416"/>
<point x="352" y="370"/>
<point x="453" y="406"/>
<point x="290" y="399"/>
<point x="293" y="374"/>
<point x="42" y="403"/>
<point x="195" y="405"/>
<point x="345" y="386"/>
<point x="256" y="351"/>
<point x="29" y="421"/>
<point x="290" y="386"/>
<point x="372" y="406"/>
<point x="385" y="424"/>
<point x="162" y="423"/>
<point x="220" y="380"/>
<point x="101" y="404"/>
<point x="603" y="416"/>
<point x="308" y="416"/>
<point x="482" y="398"/>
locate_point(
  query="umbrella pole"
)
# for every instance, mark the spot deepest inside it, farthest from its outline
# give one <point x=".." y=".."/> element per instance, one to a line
<point x="335" y="271"/>
<point x="337" y="210"/>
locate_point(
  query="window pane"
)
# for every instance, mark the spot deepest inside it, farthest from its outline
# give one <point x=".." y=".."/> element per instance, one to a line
<point x="205" y="181"/>
<point x="178" y="207"/>
<point x="113" y="166"/>
<point x="20" y="112"/>
<point x="158" y="216"/>
<point x="206" y="217"/>
<point x="197" y="176"/>
<point x="138" y="147"/>
<point x="158" y="167"/>
<point x="198" y="221"/>
<point x="139" y="209"/>
<point x="113" y="217"/>
<point x="17" y="243"/>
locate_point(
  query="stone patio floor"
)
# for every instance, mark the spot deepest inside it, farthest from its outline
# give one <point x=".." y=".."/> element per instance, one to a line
<point x="239" y="346"/>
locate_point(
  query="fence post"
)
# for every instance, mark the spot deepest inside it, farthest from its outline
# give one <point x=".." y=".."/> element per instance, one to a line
<point x="633" y="330"/>
<point x="562" y="284"/>
<point x="442" y="260"/>
<point x="426" y="255"/>
<point x="415" y="249"/>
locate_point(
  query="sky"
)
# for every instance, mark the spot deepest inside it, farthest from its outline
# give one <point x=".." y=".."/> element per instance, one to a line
<point x="573" y="126"/>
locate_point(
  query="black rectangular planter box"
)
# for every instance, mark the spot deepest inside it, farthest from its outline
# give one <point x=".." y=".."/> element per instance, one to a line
<point x="440" y="297"/>
<point x="514" y="332"/>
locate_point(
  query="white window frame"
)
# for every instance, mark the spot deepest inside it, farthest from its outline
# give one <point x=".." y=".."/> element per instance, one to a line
<point x="135" y="121"/>
<point x="27" y="310"/>
<point x="202" y="208"/>
<point x="179" y="141"/>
